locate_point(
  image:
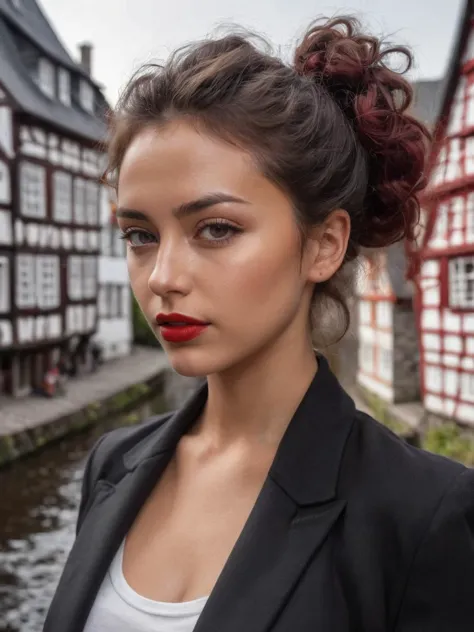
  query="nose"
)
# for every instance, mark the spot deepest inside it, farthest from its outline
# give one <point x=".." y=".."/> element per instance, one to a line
<point x="171" y="272"/>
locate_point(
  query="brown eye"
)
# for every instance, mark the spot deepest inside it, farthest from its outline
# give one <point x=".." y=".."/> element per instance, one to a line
<point x="218" y="231"/>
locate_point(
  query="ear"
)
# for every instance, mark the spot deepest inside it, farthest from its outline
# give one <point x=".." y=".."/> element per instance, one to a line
<point x="327" y="245"/>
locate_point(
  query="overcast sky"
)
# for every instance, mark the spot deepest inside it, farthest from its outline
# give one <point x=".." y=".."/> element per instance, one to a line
<point x="127" y="33"/>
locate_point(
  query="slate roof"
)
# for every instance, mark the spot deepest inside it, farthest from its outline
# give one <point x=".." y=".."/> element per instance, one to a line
<point x="427" y="100"/>
<point x="17" y="80"/>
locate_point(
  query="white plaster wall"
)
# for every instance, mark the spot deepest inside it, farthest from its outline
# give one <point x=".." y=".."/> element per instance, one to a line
<point x="113" y="270"/>
<point x="6" y="131"/>
<point x="115" y="335"/>
<point x="6" y="333"/>
<point x="5" y="189"/>
<point x="6" y="233"/>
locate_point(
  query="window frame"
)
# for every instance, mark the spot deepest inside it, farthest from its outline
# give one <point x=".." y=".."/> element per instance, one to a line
<point x="460" y="298"/>
<point x="47" y="77"/>
<point x="62" y="197"/>
<point x="28" y="169"/>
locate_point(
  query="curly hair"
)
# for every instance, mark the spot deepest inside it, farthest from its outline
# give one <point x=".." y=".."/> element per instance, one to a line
<point x="332" y="129"/>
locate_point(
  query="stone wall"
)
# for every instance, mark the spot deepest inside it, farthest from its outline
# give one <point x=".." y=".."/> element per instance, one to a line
<point x="406" y="380"/>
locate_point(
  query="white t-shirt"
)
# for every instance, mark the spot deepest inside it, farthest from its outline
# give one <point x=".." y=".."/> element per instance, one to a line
<point x="118" y="608"/>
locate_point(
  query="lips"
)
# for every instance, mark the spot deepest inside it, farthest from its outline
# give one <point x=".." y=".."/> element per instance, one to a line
<point x="179" y="328"/>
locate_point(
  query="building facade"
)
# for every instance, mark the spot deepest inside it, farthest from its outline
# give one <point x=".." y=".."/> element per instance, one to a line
<point x="52" y="121"/>
<point x="445" y="298"/>
<point x="114" y="333"/>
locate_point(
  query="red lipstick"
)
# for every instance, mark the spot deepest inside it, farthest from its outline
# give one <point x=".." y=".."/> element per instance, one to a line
<point x="176" y="327"/>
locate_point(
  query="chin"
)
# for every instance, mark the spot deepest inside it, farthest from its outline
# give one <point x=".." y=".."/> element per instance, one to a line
<point x="189" y="362"/>
<point x="196" y="361"/>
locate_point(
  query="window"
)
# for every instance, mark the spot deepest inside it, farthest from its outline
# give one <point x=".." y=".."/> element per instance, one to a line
<point x="46" y="78"/>
<point x="47" y="282"/>
<point x="366" y="355"/>
<point x="86" y="96"/>
<point x="64" y="86"/>
<point x="467" y="386"/>
<point x="440" y="229"/>
<point x="4" y="183"/>
<point x="119" y="244"/>
<point x="106" y="243"/>
<point x="62" y="196"/>
<point x="461" y="282"/>
<point x="92" y="203"/>
<point x="4" y="285"/>
<point x="453" y="170"/>
<point x="385" y="364"/>
<point x="74" y="278"/>
<point x="90" y="277"/>
<point x="25" y="281"/>
<point x="79" y="201"/>
<point x="470" y="218"/>
<point x="32" y="190"/>
<point x="103" y="302"/>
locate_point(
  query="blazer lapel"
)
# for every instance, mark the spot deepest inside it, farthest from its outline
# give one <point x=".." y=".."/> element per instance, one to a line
<point x="113" y="509"/>
<point x="275" y="547"/>
<point x="292" y="518"/>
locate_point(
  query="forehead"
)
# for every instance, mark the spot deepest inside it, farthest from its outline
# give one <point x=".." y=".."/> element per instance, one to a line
<point x="181" y="159"/>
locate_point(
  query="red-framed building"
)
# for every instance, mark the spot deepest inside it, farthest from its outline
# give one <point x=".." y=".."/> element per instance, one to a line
<point x="387" y="335"/>
<point x="445" y="281"/>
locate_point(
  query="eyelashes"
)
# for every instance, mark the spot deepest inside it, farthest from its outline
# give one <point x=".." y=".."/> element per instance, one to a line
<point x="132" y="236"/>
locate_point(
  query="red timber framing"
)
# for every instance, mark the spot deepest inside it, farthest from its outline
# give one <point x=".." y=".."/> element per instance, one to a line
<point x="444" y="301"/>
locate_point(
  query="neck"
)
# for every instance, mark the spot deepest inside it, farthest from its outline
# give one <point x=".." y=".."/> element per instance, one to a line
<point x="254" y="402"/>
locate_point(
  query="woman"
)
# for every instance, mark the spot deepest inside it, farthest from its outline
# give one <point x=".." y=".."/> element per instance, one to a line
<point x="267" y="502"/>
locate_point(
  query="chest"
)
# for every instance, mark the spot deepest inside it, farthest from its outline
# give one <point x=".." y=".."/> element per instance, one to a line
<point x="185" y="532"/>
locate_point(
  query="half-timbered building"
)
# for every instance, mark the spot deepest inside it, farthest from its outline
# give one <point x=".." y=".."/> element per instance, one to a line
<point x="51" y="126"/>
<point x="388" y="341"/>
<point x="114" y="333"/>
<point x="445" y="298"/>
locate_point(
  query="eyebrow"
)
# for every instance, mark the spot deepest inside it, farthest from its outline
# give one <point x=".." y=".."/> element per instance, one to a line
<point x="187" y="208"/>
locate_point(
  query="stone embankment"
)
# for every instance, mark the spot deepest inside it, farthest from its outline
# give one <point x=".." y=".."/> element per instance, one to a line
<point x="132" y="387"/>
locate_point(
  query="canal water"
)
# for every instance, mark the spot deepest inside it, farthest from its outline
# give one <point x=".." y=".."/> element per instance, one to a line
<point x="39" y="499"/>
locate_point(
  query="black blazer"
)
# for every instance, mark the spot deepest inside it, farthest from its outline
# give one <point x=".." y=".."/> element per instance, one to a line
<point x="353" y="530"/>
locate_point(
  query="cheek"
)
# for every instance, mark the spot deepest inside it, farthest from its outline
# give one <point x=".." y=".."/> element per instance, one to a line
<point x="264" y="271"/>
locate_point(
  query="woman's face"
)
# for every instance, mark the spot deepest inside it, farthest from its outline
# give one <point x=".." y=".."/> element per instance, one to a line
<point x="211" y="238"/>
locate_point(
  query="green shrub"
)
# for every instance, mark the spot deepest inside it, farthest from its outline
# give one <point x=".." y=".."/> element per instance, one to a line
<point x="448" y="440"/>
<point x="142" y="333"/>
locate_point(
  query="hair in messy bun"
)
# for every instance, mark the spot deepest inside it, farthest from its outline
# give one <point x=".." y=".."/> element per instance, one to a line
<point x="332" y="129"/>
<point x="351" y="67"/>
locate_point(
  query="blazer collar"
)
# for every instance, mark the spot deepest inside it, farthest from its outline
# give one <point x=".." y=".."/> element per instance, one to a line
<point x="308" y="458"/>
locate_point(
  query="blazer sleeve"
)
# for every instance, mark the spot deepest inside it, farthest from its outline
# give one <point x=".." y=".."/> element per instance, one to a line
<point x="439" y="595"/>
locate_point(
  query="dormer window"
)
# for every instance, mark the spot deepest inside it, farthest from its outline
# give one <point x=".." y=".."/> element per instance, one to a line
<point x="64" y="86"/>
<point x="46" y="79"/>
<point x="86" y="96"/>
